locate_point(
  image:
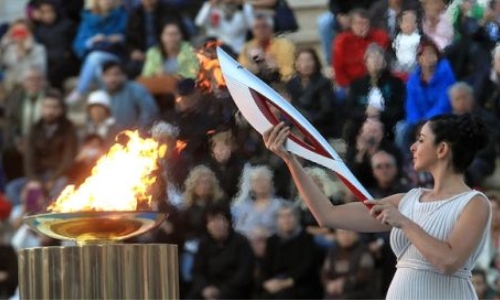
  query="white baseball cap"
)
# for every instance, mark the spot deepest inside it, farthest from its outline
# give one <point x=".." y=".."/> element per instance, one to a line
<point x="99" y="98"/>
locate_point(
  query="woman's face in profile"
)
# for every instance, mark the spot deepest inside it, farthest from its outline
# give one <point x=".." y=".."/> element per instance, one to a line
<point x="423" y="150"/>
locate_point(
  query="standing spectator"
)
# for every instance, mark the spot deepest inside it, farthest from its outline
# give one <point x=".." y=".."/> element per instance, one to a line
<point x="311" y="92"/>
<point x="22" y="108"/>
<point x="406" y="43"/>
<point x="131" y="105"/>
<point x="223" y="265"/>
<point x="269" y="57"/>
<point x="100" y="38"/>
<point x="348" y="268"/>
<point x="144" y="24"/>
<point x="228" y="20"/>
<point x="426" y="90"/>
<point x="50" y="150"/>
<point x="19" y="52"/>
<point x="379" y="94"/>
<point x="256" y="205"/>
<point x="56" y="33"/>
<point x="173" y="55"/>
<point x="436" y="24"/>
<point x="290" y="268"/>
<point x="349" y="48"/>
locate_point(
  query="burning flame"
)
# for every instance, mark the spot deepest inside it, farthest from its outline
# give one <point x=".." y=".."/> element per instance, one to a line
<point x="120" y="181"/>
<point x="210" y="75"/>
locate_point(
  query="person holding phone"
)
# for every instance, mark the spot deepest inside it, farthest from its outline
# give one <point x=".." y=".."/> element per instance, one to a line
<point x="437" y="234"/>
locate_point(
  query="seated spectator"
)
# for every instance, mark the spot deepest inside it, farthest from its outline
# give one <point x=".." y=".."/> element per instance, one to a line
<point x="336" y="20"/>
<point x="270" y="58"/>
<point x="483" y="290"/>
<point x="436" y="24"/>
<point x="426" y="90"/>
<point x="228" y="20"/>
<point x="201" y="189"/>
<point x="131" y="104"/>
<point x="256" y="205"/>
<point x="490" y="251"/>
<point x="225" y="162"/>
<point x="100" y="120"/>
<point x="50" y="150"/>
<point x="483" y="165"/>
<point x="366" y="142"/>
<point x="8" y="263"/>
<point x="348" y="269"/>
<point x="22" y="109"/>
<point x="405" y="44"/>
<point x="384" y="14"/>
<point x="379" y="94"/>
<point x="290" y="269"/>
<point x="20" y="52"/>
<point x="349" y="48"/>
<point x="258" y="238"/>
<point x="173" y="56"/>
<point x="388" y="182"/>
<point x="145" y="21"/>
<point x="489" y="93"/>
<point x="223" y="265"/>
<point x="56" y="33"/>
<point x="466" y="18"/>
<point x="311" y="92"/>
<point x="92" y="149"/>
<point x="191" y="104"/>
<point x="100" y="38"/>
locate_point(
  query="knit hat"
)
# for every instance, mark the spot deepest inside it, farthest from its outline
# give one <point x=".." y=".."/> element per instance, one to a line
<point x="99" y="98"/>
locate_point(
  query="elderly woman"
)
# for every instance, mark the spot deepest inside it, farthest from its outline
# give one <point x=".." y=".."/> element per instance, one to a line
<point x="378" y="94"/>
<point x="256" y="205"/>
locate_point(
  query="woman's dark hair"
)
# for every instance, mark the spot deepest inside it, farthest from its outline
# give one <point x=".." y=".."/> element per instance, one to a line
<point x="427" y="42"/>
<point x="219" y="208"/>
<point x="466" y="135"/>
<point x="317" y="62"/>
<point x="112" y="64"/>
<point x="160" y="33"/>
<point x="55" y="94"/>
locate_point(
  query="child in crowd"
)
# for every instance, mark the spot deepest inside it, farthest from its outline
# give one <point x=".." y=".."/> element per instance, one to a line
<point x="406" y="43"/>
<point x="100" y="121"/>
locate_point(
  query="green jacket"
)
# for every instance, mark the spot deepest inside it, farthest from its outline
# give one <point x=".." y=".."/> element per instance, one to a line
<point x="187" y="59"/>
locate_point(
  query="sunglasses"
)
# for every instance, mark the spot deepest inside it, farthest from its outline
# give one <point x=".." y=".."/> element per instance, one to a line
<point x="383" y="166"/>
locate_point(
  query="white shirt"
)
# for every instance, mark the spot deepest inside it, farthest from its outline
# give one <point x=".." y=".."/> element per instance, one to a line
<point x="406" y="47"/>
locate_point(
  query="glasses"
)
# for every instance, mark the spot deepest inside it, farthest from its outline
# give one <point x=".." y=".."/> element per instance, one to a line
<point x="383" y="166"/>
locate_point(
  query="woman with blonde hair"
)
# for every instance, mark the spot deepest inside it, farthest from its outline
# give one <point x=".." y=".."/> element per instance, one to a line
<point x="201" y="189"/>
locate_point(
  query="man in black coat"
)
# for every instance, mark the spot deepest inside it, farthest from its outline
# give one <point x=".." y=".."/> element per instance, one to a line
<point x="223" y="265"/>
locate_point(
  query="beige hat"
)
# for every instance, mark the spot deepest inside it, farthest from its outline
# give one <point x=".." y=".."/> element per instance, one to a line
<point x="99" y="98"/>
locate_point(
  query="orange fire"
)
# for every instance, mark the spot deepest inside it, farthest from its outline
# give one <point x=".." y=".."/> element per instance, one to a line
<point x="120" y="181"/>
<point x="210" y="75"/>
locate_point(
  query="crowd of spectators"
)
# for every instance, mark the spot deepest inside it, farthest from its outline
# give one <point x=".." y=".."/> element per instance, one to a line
<point x="241" y="228"/>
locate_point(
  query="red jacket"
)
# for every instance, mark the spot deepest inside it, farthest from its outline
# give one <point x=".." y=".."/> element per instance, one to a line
<point x="349" y="51"/>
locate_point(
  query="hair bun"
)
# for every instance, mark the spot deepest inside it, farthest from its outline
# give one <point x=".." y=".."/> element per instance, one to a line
<point x="472" y="131"/>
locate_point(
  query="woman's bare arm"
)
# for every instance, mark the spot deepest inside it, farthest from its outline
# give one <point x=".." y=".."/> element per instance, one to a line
<point x="352" y="216"/>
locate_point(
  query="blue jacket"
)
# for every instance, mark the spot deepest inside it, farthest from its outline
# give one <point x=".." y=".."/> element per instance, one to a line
<point x="92" y="24"/>
<point x="424" y="101"/>
<point x="133" y="107"/>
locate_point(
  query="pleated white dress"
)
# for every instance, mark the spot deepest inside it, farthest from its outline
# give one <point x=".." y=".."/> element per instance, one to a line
<point x="415" y="278"/>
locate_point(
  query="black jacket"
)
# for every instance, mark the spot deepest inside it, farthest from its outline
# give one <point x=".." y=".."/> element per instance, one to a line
<point x="226" y="265"/>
